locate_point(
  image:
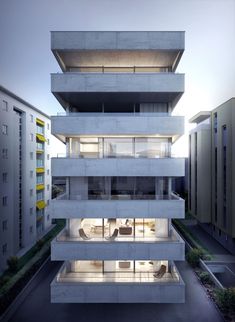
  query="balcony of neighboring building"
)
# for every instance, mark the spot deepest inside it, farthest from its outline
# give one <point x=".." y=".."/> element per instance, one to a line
<point x="118" y="238"/>
<point x="118" y="281"/>
<point x="159" y="123"/>
<point x="40" y="163"/>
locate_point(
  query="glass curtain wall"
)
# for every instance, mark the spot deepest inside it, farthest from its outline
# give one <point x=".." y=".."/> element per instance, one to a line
<point x="120" y="147"/>
<point x="128" y="188"/>
<point x="127" y="227"/>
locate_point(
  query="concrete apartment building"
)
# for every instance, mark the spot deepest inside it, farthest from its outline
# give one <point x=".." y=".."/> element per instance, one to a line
<point x="25" y="182"/>
<point x="118" y="90"/>
<point x="212" y="172"/>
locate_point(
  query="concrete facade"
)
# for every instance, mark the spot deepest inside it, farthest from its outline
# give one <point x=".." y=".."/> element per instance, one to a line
<point x="74" y="124"/>
<point x="20" y="184"/>
<point x="118" y="90"/>
<point x="118" y="208"/>
<point x="218" y="173"/>
<point x="69" y="166"/>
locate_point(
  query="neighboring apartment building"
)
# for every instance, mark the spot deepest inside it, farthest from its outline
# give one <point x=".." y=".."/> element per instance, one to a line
<point x="212" y="172"/>
<point x="25" y="182"/>
<point x="118" y="90"/>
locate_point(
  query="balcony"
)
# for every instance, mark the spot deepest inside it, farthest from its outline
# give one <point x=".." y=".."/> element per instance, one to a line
<point x="124" y="247"/>
<point x="117" y="87"/>
<point x="118" y="206"/>
<point x="162" y="167"/>
<point x="106" y="124"/>
<point x="117" y="287"/>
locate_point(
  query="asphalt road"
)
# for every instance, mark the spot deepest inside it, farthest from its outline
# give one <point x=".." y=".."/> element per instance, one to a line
<point x="36" y="306"/>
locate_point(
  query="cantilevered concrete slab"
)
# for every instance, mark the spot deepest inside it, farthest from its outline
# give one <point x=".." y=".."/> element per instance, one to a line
<point x="77" y="88"/>
<point x="200" y="117"/>
<point x="119" y="48"/>
<point x="100" y="124"/>
<point x="168" y="208"/>
<point x="168" y="167"/>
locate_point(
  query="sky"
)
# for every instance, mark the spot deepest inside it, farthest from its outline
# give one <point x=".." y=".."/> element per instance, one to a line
<point x="26" y="60"/>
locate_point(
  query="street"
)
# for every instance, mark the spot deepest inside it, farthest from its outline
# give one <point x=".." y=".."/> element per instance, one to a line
<point x="36" y="305"/>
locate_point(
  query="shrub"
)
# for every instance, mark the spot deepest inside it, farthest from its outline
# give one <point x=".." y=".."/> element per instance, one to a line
<point x="226" y="299"/>
<point x="39" y="244"/>
<point x="4" y="280"/>
<point x="205" y="278"/>
<point x="193" y="256"/>
<point x="12" y="263"/>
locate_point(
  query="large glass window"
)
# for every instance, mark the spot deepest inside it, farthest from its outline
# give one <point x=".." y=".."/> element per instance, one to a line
<point x="120" y="228"/>
<point x="118" y="147"/>
<point x="152" y="147"/>
<point x="128" y="188"/>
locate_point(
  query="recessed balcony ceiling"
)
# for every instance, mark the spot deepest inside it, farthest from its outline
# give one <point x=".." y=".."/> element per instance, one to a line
<point x="76" y="99"/>
<point x="70" y="59"/>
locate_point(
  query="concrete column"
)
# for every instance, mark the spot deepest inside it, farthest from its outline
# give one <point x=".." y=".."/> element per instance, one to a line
<point x="79" y="188"/>
<point x="73" y="226"/>
<point x="73" y="266"/>
<point x="161" y="228"/>
<point x="107" y="186"/>
<point x="169" y="187"/>
<point x="158" y="186"/>
<point x="67" y="147"/>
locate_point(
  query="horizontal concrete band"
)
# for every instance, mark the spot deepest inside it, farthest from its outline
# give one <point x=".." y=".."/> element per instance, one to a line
<point x="169" y="167"/>
<point x="117" y="208"/>
<point x="75" y="250"/>
<point x="88" y="40"/>
<point x="117" y="125"/>
<point x="122" y="293"/>
<point x="117" y="83"/>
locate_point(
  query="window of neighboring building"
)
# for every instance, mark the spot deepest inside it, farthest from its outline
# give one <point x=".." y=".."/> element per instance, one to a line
<point x="48" y="157"/>
<point x="31" y="229"/>
<point x="48" y="187"/>
<point x="31" y="137"/>
<point x="4" y="201"/>
<point x="4" y="225"/>
<point x="31" y="192"/>
<point x="224" y="171"/>
<point x="4" y="153"/>
<point x="4" y="106"/>
<point x="4" y="129"/>
<point x="31" y="118"/>
<point x="48" y="217"/>
<point x="31" y="155"/>
<point x="31" y="210"/>
<point x="48" y="141"/>
<point x="48" y="172"/>
<point x="195" y="174"/>
<point x="4" y="177"/>
<point x="31" y="173"/>
<point x="48" y="202"/>
<point x="4" y="249"/>
<point x="40" y="195"/>
<point x="48" y="126"/>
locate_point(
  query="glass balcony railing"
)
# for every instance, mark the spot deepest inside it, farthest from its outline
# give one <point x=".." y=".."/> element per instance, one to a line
<point x="100" y="196"/>
<point x="124" y="272"/>
<point x="112" y="156"/>
<point x="95" y="114"/>
<point x="120" y="69"/>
